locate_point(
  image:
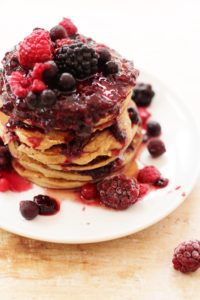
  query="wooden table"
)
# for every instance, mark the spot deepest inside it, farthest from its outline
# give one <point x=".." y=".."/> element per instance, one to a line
<point x="136" y="267"/>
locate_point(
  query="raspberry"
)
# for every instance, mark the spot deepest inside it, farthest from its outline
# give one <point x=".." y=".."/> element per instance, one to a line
<point x="28" y="209"/>
<point x="148" y="174"/>
<point x="35" y="48"/>
<point x="118" y="192"/>
<point x="4" y="185"/>
<point x="69" y="26"/>
<point x="144" y="188"/>
<point x="38" y="70"/>
<point x="89" y="191"/>
<point x="38" y="86"/>
<point x="78" y="59"/>
<point x="143" y="94"/>
<point x="20" y="84"/>
<point x="156" y="147"/>
<point x="62" y="42"/>
<point x="187" y="256"/>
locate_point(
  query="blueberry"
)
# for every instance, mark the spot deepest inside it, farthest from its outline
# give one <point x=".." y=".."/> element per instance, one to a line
<point x="104" y="56"/>
<point x="57" y="32"/>
<point x="111" y="68"/>
<point x="50" y="74"/>
<point x="156" y="147"/>
<point x="153" y="128"/>
<point x="48" y="98"/>
<point x="28" y="209"/>
<point x="32" y="100"/>
<point x="67" y="82"/>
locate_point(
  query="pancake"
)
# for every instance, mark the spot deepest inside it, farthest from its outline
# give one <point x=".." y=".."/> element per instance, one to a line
<point x="96" y="146"/>
<point x="46" y="177"/>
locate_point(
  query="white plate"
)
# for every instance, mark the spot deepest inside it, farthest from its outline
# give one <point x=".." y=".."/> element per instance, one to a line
<point x="73" y="224"/>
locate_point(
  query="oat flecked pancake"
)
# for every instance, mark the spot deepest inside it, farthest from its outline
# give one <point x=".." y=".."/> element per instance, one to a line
<point x="67" y="116"/>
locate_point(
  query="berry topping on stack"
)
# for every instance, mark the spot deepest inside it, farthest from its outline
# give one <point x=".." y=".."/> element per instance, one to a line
<point x="77" y="59"/>
<point x="67" y="103"/>
<point x="35" y="48"/>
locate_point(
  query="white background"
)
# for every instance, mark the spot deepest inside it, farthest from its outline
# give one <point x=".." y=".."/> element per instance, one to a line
<point x="162" y="37"/>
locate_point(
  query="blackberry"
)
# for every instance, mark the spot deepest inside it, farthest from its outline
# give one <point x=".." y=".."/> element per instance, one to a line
<point x="78" y="59"/>
<point x="143" y="94"/>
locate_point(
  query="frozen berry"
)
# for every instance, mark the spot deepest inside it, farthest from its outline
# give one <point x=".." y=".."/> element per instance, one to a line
<point x="62" y="42"/>
<point x="104" y="56"/>
<point x="118" y="192"/>
<point x="69" y="26"/>
<point x="133" y="115"/>
<point x="46" y="204"/>
<point x="153" y="128"/>
<point x="144" y="189"/>
<point x="89" y="191"/>
<point x="78" y="59"/>
<point x="111" y="68"/>
<point x="156" y="147"/>
<point x="161" y="182"/>
<point x="32" y="100"/>
<point x="187" y="256"/>
<point x="29" y="209"/>
<point x="143" y="94"/>
<point x="67" y="82"/>
<point x="20" y="85"/>
<point x="35" y="48"/>
<point x="4" y="185"/>
<point x="48" y="98"/>
<point x="58" y="32"/>
<point x="148" y="174"/>
<point x="38" y="86"/>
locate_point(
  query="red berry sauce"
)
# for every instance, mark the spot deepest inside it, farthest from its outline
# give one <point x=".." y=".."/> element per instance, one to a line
<point x="10" y="180"/>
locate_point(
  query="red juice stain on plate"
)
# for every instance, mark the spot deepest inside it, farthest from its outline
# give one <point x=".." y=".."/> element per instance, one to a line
<point x="16" y="183"/>
<point x="177" y="188"/>
<point x="71" y="195"/>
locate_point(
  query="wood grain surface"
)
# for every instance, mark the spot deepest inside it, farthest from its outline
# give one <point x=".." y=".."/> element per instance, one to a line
<point x="136" y="267"/>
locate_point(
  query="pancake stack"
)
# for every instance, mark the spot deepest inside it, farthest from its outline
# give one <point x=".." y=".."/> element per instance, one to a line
<point x="43" y="155"/>
<point x="39" y="157"/>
